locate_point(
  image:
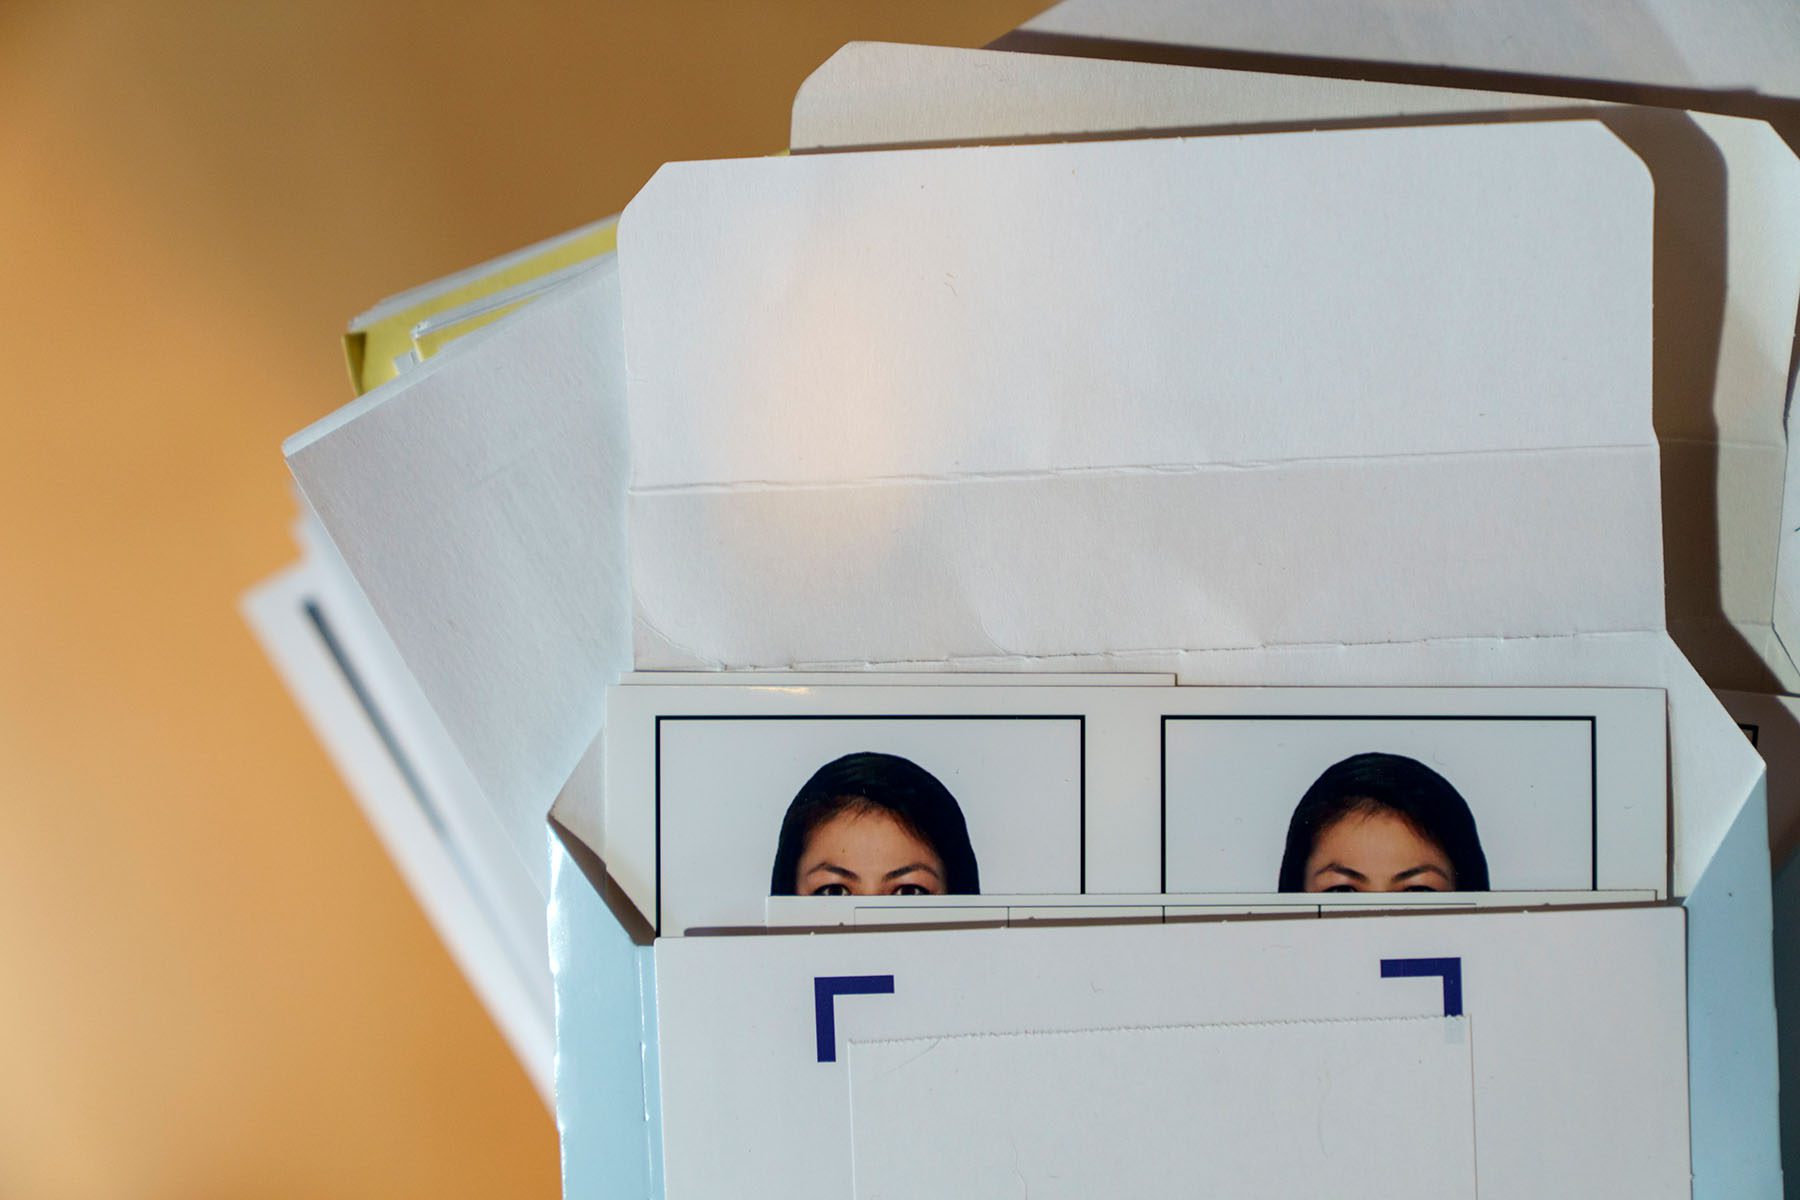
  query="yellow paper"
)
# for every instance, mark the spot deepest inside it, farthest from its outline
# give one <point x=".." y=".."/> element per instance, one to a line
<point x="385" y="334"/>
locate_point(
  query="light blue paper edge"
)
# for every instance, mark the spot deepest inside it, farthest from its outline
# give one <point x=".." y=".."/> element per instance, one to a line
<point x="608" y="1098"/>
<point x="1786" y="910"/>
<point x="1733" y="1078"/>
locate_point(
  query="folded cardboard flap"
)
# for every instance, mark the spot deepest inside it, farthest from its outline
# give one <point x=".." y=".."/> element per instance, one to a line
<point x="608" y="1112"/>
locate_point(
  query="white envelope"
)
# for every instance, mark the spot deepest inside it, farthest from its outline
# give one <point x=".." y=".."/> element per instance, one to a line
<point x="772" y="473"/>
<point x="1727" y="249"/>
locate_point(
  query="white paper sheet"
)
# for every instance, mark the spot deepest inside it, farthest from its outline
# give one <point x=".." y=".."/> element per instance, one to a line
<point x="478" y="502"/>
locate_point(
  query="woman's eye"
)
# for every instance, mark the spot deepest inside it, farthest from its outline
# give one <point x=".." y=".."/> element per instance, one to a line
<point x="1420" y="887"/>
<point x="910" y="889"/>
<point x="831" y="889"/>
<point x="1341" y="887"/>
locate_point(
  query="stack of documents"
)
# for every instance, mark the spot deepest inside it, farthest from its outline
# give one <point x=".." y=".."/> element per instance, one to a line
<point x="1105" y="627"/>
<point x="372" y="659"/>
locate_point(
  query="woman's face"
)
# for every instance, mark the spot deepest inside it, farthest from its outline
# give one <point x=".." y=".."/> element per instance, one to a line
<point x="1377" y="852"/>
<point x="865" y="852"/>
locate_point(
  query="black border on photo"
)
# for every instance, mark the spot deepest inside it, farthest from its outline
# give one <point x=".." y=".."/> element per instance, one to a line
<point x="1080" y="720"/>
<point x="1593" y="764"/>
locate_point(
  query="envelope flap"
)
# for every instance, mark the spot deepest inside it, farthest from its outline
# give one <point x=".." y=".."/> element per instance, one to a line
<point x="1156" y="303"/>
<point x="608" y="1106"/>
<point x="1133" y="396"/>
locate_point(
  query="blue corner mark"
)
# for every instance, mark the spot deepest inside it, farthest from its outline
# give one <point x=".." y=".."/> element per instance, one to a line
<point x="1416" y="968"/>
<point x="826" y="990"/>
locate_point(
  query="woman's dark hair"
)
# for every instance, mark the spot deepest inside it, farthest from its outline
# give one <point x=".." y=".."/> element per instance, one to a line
<point x="887" y="783"/>
<point x="1374" y="783"/>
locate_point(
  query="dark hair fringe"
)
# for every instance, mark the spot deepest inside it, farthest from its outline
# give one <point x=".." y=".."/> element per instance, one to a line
<point x="899" y="787"/>
<point x="1386" y="783"/>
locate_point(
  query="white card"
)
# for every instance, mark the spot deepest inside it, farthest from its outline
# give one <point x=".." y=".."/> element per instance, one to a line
<point x="1577" y="1029"/>
<point x="719" y="797"/>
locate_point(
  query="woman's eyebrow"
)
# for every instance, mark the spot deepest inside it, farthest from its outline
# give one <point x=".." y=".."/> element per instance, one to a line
<point x="832" y="868"/>
<point x="1420" y="870"/>
<point x="1340" y="869"/>
<point x="909" y="869"/>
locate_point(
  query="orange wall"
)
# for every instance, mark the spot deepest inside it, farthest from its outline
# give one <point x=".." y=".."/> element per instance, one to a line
<point x="211" y="981"/>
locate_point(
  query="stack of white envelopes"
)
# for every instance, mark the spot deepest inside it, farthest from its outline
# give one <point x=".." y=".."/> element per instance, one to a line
<point x="1112" y="629"/>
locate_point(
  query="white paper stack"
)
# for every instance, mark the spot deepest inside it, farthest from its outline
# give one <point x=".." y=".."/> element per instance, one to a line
<point x="448" y="631"/>
<point x="1063" y="365"/>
